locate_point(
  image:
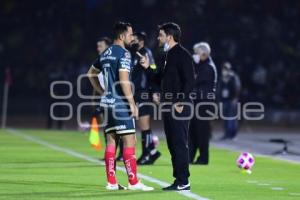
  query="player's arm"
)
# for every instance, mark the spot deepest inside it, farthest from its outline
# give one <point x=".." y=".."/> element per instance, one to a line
<point x="126" y="86"/>
<point x="124" y="70"/>
<point x="127" y="91"/>
<point x="93" y="77"/>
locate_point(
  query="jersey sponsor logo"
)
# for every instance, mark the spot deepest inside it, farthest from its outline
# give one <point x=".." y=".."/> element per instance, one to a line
<point x="120" y="127"/>
<point x="108" y="100"/>
<point x="108" y="58"/>
<point x="107" y="52"/>
<point x="125" y="63"/>
<point x="107" y="55"/>
<point x="127" y="55"/>
<point x="106" y="65"/>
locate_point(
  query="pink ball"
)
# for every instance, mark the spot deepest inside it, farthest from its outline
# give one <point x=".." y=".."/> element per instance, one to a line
<point x="245" y="161"/>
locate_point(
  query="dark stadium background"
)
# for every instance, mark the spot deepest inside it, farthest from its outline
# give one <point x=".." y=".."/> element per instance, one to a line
<point x="41" y="38"/>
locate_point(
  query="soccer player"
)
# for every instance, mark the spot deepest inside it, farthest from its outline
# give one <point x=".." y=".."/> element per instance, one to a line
<point x="115" y="63"/>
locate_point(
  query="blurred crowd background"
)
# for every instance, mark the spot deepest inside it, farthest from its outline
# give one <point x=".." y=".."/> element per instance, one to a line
<point x="42" y="41"/>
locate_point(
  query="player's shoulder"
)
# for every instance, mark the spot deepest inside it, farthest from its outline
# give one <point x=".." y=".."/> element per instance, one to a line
<point x="114" y="52"/>
<point x="120" y="51"/>
<point x="107" y="54"/>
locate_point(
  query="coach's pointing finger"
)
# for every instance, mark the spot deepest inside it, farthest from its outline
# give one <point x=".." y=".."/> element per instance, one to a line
<point x="144" y="60"/>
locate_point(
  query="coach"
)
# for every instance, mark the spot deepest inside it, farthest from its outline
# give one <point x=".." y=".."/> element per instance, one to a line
<point x="177" y="79"/>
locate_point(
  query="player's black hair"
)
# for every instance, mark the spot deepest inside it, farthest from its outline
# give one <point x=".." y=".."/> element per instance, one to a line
<point x="120" y="28"/>
<point x="107" y="40"/>
<point x="170" y="28"/>
<point x="142" y="36"/>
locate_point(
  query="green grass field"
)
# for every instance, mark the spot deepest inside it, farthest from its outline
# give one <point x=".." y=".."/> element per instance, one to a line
<point x="29" y="170"/>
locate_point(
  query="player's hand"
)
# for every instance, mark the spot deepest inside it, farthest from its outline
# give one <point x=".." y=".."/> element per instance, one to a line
<point x="156" y="98"/>
<point x="144" y="60"/>
<point x="134" y="110"/>
<point x="178" y="108"/>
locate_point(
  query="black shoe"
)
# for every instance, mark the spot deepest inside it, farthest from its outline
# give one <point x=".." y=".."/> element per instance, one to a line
<point x="145" y="160"/>
<point x="140" y="158"/>
<point x="155" y="156"/>
<point x="178" y="187"/>
<point x="201" y="161"/>
<point x="119" y="158"/>
<point x="149" y="159"/>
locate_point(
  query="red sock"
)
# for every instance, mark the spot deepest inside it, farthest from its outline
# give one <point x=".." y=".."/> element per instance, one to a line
<point x="130" y="164"/>
<point x="110" y="164"/>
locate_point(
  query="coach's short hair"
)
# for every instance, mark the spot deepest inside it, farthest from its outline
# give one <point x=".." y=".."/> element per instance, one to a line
<point x="170" y="28"/>
<point x="106" y="40"/>
<point x="120" y="28"/>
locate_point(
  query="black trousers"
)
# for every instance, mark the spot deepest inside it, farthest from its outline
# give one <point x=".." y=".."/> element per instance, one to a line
<point x="199" y="135"/>
<point x="176" y="131"/>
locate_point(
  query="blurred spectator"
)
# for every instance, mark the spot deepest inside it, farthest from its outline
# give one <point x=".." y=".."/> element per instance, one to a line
<point x="205" y="88"/>
<point x="230" y="88"/>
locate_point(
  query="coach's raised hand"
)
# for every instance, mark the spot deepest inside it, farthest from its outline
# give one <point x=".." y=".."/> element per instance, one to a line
<point x="144" y="60"/>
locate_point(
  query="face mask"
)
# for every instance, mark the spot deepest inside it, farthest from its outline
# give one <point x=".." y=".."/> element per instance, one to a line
<point x="196" y="58"/>
<point x="166" y="47"/>
<point x="135" y="47"/>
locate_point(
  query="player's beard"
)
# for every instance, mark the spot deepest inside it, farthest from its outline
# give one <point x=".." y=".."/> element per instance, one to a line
<point x="127" y="45"/>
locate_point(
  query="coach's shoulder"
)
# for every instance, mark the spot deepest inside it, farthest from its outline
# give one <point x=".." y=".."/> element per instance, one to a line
<point x="185" y="52"/>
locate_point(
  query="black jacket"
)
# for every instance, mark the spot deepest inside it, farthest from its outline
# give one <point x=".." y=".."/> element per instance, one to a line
<point x="177" y="76"/>
<point x="230" y="89"/>
<point x="206" y="81"/>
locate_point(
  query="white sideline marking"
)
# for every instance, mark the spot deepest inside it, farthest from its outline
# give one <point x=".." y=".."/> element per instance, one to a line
<point x="263" y="184"/>
<point x="267" y="184"/>
<point x="277" y="188"/>
<point x="93" y="160"/>
<point x="252" y="181"/>
<point x="294" y="194"/>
